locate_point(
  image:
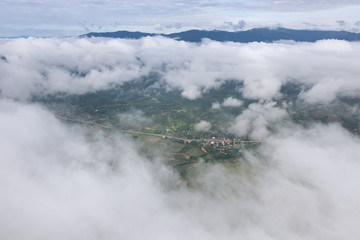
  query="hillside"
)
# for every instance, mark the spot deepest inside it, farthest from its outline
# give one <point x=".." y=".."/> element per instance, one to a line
<point x="253" y="35"/>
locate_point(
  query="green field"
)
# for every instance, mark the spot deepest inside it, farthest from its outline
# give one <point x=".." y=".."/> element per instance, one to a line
<point x="146" y="105"/>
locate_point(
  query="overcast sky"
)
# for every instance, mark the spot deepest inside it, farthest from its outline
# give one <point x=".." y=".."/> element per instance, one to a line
<point x="63" y="18"/>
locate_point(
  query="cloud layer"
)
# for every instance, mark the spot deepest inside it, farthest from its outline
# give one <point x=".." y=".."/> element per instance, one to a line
<point x="64" y="182"/>
<point x="46" y="66"/>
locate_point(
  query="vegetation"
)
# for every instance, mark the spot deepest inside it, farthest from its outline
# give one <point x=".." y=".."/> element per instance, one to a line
<point x="147" y="106"/>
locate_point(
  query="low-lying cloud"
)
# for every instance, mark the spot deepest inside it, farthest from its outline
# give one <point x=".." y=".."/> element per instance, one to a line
<point x="202" y="126"/>
<point x="134" y="119"/>
<point x="258" y="119"/>
<point x="76" y="66"/>
<point x="228" y="102"/>
<point x="59" y="181"/>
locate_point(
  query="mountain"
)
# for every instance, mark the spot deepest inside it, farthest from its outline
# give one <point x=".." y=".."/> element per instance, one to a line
<point x="119" y="34"/>
<point x="253" y="35"/>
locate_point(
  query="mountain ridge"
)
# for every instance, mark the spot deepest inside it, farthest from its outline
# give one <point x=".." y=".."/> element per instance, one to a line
<point x="252" y="35"/>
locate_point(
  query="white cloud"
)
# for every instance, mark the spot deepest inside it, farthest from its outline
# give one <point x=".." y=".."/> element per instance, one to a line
<point x="216" y="105"/>
<point x="202" y="126"/>
<point x="304" y="5"/>
<point x="228" y="102"/>
<point x="257" y="120"/>
<point x="134" y="119"/>
<point x="230" y="26"/>
<point x="61" y="181"/>
<point x="76" y="66"/>
<point x="317" y="166"/>
<point x="232" y="102"/>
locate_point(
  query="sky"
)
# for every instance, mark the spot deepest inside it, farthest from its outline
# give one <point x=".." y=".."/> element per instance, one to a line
<point x="48" y="18"/>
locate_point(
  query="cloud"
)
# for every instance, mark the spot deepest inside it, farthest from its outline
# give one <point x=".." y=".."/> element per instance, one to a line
<point x="202" y="126"/>
<point x="76" y="66"/>
<point x="174" y="26"/>
<point x="341" y="23"/>
<point x="134" y="119"/>
<point x="257" y="120"/>
<point x="230" y="26"/>
<point x="216" y="105"/>
<point x="307" y="163"/>
<point x="232" y="102"/>
<point x="228" y="102"/>
<point x="65" y="181"/>
<point x="294" y="6"/>
<point x="56" y="65"/>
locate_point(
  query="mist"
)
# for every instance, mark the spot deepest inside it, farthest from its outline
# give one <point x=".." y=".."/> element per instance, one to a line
<point x="71" y="181"/>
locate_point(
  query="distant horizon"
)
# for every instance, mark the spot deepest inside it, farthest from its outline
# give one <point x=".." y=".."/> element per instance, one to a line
<point x="60" y="35"/>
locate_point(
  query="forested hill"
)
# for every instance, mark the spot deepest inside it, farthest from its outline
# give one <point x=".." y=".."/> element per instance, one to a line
<point x="253" y="35"/>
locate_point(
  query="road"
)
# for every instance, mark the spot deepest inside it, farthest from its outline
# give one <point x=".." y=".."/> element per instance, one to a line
<point x="149" y="134"/>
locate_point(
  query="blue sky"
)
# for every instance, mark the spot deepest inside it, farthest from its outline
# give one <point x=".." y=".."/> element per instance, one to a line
<point x="72" y="17"/>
